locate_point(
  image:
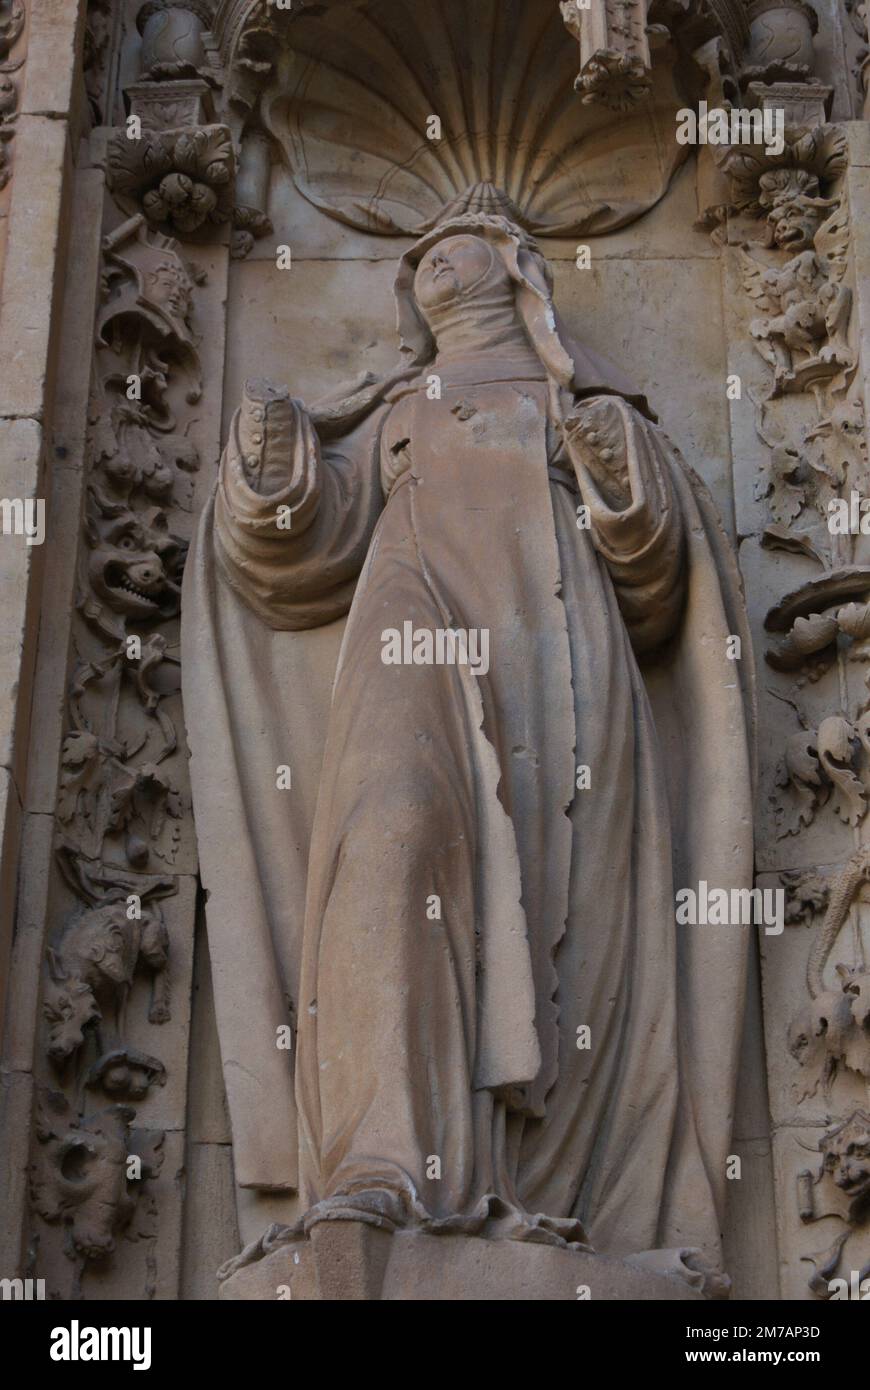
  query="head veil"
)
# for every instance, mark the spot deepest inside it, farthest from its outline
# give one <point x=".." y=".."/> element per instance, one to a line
<point x="568" y="363"/>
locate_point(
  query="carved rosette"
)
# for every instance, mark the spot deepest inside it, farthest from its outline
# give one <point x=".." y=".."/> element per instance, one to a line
<point x="181" y="179"/>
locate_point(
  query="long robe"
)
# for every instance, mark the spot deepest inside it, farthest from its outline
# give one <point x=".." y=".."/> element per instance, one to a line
<point x="451" y="1032"/>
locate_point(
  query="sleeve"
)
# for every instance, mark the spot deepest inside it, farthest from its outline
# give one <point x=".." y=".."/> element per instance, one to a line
<point x="624" y="474"/>
<point x="293" y="520"/>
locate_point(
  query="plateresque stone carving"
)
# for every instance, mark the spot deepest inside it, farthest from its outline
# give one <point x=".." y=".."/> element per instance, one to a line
<point x="119" y="808"/>
<point x="451" y="637"/>
<point x="429" y="921"/>
<point x="82" y="1176"/>
<point x="840" y="1189"/>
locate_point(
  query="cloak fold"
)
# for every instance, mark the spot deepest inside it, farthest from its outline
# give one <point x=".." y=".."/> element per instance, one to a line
<point x="258" y="697"/>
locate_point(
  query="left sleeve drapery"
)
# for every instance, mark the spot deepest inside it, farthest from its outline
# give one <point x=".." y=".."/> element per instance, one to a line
<point x="293" y="521"/>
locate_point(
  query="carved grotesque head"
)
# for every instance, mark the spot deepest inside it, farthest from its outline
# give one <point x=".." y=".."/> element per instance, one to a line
<point x="92" y="966"/>
<point x="846" y="1153"/>
<point x="149" y="292"/>
<point x="795" y="211"/>
<point x="135" y="563"/>
<point x="79" y="1175"/>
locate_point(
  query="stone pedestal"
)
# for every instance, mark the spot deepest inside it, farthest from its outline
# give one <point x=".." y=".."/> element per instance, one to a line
<point x="347" y="1261"/>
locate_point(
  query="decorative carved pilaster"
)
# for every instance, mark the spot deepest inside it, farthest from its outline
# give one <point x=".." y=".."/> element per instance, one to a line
<point x="100" y="57"/>
<point x="252" y="192"/>
<point x="122" y="797"/>
<point x="858" y="19"/>
<point x="839" y="1193"/>
<point x="788" y="216"/>
<point x="12" y="21"/>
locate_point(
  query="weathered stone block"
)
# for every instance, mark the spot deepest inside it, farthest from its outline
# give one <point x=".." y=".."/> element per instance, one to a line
<point x="34" y="266"/>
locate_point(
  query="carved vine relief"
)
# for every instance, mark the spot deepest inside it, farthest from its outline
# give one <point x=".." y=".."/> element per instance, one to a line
<point x="213" y="122"/>
<point x="12" y="23"/>
<point x="809" y="415"/>
<point x="119" y="809"/>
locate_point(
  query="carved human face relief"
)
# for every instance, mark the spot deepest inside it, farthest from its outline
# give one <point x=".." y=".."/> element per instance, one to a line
<point x="171" y="290"/>
<point x="451" y="268"/>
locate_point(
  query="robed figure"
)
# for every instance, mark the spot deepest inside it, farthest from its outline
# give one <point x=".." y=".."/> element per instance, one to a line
<point x="451" y="864"/>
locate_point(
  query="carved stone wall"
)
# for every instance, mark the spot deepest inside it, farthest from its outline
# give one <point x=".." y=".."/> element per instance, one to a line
<point x="209" y="195"/>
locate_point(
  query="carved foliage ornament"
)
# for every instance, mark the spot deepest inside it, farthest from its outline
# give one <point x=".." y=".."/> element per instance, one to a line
<point x="182" y="179"/>
<point x="839" y="1190"/>
<point x="614" y="50"/>
<point x="119" y="809"/>
<point x="812" y="157"/>
<point x="832" y="1031"/>
<point x="12" y="19"/>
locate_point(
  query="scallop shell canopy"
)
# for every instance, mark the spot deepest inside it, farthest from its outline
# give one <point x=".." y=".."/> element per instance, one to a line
<point x="353" y="87"/>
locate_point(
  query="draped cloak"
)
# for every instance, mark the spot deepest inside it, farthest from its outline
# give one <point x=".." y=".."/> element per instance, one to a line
<point x="458" y="1035"/>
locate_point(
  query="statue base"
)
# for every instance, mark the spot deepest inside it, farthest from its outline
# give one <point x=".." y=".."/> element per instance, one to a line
<point x="347" y="1260"/>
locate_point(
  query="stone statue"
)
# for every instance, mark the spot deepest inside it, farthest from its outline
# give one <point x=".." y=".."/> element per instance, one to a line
<point x="463" y="720"/>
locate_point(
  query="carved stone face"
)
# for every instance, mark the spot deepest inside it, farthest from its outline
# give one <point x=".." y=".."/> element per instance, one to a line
<point x="847" y="1156"/>
<point x="82" y="1176"/>
<point x="133" y="567"/>
<point x="169" y="288"/>
<point x="795" y="223"/>
<point x="114" y="952"/>
<point x="450" y="268"/>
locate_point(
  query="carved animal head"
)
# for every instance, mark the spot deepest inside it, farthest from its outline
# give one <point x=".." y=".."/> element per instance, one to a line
<point x="80" y="1173"/>
<point x="794" y="209"/>
<point x="91" y="967"/>
<point x="846" y="1159"/>
<point x="101" y="944"/>
<point x="135" y="564"/>
<point x="68" y="1009"/>
<point x="126" y="1073"/>
<point x="833" y="1030"/>
<point x="795" y="221"/>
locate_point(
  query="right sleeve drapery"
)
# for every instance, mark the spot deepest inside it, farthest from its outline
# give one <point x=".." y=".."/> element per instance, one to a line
<point x="636" y="523"/>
